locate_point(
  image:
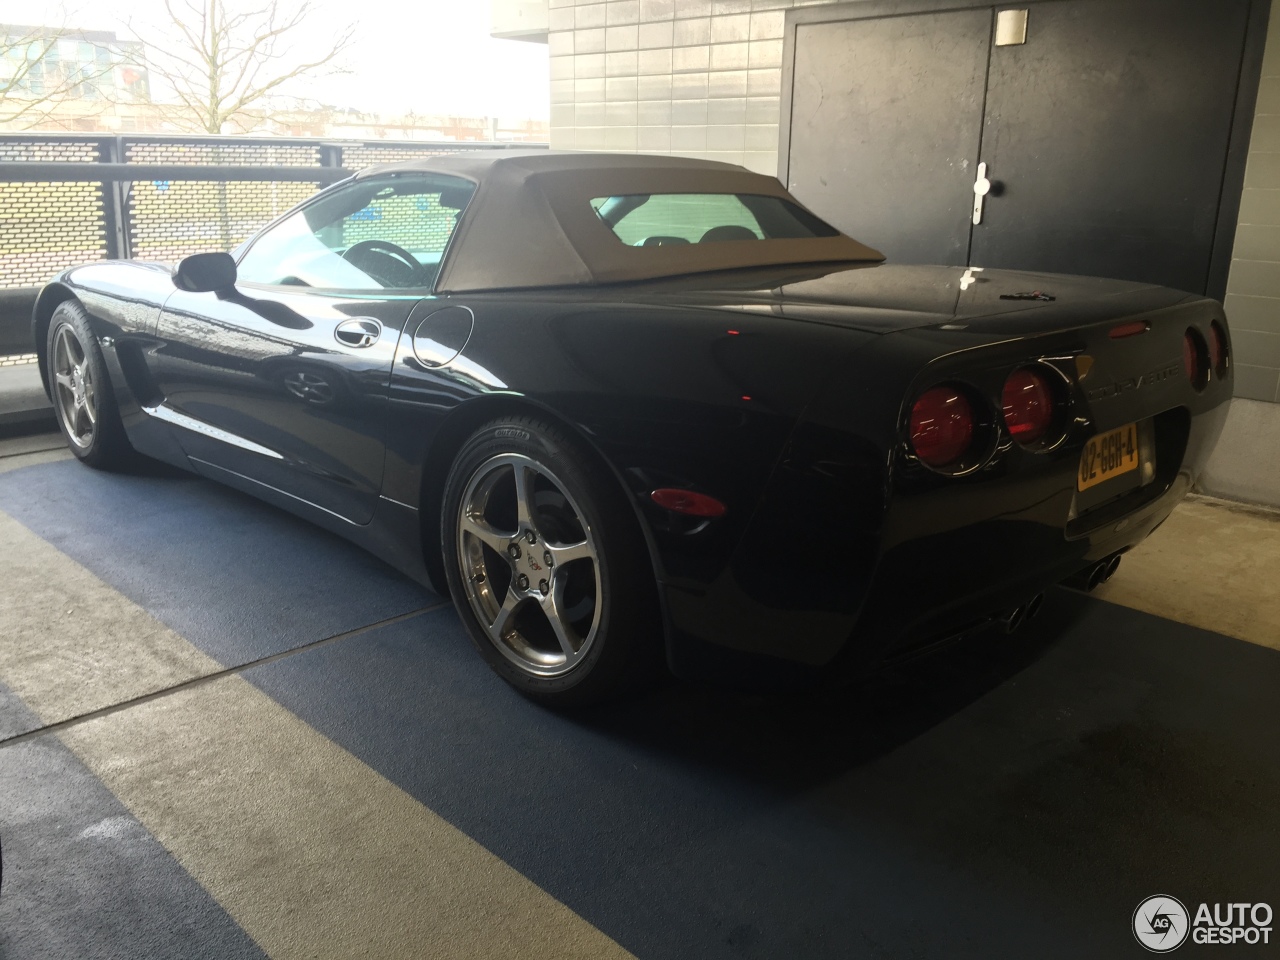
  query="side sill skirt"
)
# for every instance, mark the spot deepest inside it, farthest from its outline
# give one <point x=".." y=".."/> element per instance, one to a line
<point x="169" y="415"/>
<point x="391" y="535"/>
<point x="397" y="503"/>
<point x="276" y="490"/>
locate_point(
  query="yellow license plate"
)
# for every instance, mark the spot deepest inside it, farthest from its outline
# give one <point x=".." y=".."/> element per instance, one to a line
<point x="1108" y="455"/>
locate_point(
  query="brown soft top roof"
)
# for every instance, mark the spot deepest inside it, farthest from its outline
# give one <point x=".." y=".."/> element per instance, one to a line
<point x="531" y="224"/>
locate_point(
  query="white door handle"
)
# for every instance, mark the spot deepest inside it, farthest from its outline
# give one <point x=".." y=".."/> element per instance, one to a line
<point x="981" y="187"/>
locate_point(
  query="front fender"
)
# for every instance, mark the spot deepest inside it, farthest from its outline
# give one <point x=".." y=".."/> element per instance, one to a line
<point x="47" y="301"/>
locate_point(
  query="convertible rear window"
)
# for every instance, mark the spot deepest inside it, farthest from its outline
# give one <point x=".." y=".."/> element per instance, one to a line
<point x="663" y="219"/>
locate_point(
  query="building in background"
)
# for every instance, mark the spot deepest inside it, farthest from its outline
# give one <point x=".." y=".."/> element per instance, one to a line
<point x="55" y="81"/>
<point x="47" y="65"/>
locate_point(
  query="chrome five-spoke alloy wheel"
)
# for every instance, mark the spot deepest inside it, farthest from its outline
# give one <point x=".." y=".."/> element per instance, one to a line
<point x="529" y="565"/>
<point x="75" y="393"/>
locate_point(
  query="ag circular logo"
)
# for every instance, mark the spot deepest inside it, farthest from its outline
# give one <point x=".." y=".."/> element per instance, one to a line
<point x="1161" y="923"/>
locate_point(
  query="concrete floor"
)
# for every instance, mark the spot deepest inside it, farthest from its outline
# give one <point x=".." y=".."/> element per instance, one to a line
<point x="24" y="406"/>
<point x="224" y="733"/>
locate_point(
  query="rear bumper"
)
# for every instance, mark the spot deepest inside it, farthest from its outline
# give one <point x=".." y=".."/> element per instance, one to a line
<point x="940" y="564"/>
<point x="857" y="551"/>
<point x="931" y="585"/>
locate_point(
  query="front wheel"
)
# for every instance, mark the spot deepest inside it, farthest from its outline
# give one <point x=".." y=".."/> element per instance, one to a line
<point x="81" y="390"/>
<point x="546" y="566"/>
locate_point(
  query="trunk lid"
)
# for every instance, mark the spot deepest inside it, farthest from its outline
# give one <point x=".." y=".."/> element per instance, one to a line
<point x="884" y="298"/>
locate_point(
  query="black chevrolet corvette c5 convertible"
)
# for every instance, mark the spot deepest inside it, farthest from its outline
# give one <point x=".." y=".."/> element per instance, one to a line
<point x="623" y="407"/>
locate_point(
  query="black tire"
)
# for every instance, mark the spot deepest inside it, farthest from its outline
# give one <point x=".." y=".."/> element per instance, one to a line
<point x="101" y="442"/>
<point x="606" y="598"/>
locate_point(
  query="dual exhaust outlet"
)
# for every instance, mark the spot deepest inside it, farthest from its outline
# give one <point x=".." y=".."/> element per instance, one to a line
<point x="1093" y="575"/>
<point x="1011" y="620"/>
<point x="1086" y="579"/>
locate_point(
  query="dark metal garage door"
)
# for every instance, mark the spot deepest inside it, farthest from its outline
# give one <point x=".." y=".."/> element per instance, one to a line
<point x="1105" y="133"/>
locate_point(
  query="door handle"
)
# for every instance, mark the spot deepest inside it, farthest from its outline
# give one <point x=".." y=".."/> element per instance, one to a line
<point x="360" y="332"/>
<point x="981" y="187"/>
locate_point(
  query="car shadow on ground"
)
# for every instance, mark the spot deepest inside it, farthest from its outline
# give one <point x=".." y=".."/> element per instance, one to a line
<point x="1099" y="740"/>
<point x="789" y="739"/>
<point x="1099" y="757"/>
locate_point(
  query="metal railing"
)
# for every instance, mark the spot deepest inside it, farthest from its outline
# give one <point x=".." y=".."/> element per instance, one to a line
<point x="68" y="199"/>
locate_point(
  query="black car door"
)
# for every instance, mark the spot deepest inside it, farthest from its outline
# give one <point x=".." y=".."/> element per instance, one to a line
<point x="284" y="379"/>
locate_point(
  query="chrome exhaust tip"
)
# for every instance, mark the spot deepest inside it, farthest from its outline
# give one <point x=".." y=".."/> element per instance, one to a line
<point x="1032" y="609"/>
<point x="1080" y="579"/>
<point x="1097" y="575"/>
<point x="1112" y="566"/>
<point x="1013" y="619"/>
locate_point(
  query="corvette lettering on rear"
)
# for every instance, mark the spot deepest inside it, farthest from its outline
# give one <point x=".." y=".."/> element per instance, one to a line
<point x="1133" y="383"/>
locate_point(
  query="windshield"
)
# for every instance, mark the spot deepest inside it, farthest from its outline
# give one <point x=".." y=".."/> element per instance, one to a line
<point x="375" y="235"/>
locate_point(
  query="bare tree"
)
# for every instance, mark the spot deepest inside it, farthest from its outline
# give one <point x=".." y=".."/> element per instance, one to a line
<point x="34" y="81"/>
<point x="222" y="62"/>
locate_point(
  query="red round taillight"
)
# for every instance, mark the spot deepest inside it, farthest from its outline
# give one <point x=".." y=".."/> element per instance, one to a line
<point x="1218" y="349"/>
<point x="1195" y="359"/>
<point x="941" y="426"/>
<point x="1027" y="402"/>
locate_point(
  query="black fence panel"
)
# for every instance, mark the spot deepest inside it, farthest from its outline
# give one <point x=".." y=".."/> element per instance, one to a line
<point x="72" y="199"/>
<point x="46" y="225"/>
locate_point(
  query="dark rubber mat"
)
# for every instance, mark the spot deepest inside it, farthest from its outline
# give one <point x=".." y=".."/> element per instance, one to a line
<point x="84" y="879"/>
<point x="1006" y="798"/>
<point x="239" y="579"/>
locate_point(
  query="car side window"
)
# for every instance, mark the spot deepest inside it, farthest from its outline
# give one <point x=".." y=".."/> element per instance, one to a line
<point x="380" y="234"/>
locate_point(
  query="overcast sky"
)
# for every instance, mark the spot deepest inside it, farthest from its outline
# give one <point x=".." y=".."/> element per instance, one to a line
<point x="431" y="56"/>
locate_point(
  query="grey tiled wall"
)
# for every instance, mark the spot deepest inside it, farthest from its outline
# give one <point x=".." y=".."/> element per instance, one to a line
<point x="702" y="78"/>
<point x="695" y="77"/>
<point x="1253" y="288"/>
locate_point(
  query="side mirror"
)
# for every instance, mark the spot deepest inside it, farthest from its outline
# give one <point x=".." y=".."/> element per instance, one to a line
<point x="205" y="273"/>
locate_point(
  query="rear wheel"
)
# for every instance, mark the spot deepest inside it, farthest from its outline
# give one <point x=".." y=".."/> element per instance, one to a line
<point x="545" y="565"/>
<point x="81" y="390"/>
